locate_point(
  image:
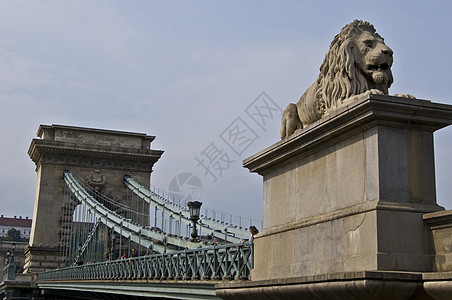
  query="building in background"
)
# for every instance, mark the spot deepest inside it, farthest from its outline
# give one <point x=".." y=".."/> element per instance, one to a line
<point x="23" y="225"/>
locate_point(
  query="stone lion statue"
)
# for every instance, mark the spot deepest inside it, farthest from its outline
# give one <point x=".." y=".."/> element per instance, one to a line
<point x="357" y="62"/>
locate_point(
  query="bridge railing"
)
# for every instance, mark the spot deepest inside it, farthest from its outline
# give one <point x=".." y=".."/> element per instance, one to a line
<point x="229" y="262"/>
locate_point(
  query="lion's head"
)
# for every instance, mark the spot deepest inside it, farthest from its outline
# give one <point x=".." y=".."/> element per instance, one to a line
<point x="358" y="60"/>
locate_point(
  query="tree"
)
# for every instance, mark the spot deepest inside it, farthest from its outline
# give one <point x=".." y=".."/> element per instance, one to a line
<point x="13" y="235"/>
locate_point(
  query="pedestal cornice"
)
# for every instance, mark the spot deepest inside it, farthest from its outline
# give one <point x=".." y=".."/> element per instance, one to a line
<point x="358" y="116"/>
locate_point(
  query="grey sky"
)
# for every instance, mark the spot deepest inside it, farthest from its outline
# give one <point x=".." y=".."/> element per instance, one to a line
<point x="186" y="70"/>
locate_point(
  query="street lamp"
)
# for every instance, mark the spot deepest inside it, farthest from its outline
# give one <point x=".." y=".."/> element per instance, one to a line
<point x="7" y="257"/>
<point x="195" y="208"/>
<point x="10" y="265"/>
<point x="13" y="244"/>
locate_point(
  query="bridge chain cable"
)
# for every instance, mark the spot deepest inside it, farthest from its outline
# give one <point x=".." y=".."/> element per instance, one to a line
<point x="142" y="235"/>
<point x="88" y="240"/>
<point x="217" y="216"/>
<point x="213" y="227"/>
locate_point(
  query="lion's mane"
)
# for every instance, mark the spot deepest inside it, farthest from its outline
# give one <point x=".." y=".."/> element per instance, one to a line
<point x="339" y="77"/>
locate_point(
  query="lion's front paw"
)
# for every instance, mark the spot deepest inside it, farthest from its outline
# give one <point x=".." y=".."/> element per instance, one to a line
<point x="366" y="94"/>
<point x="409" y="96"/>
<point x="375" y="92"/>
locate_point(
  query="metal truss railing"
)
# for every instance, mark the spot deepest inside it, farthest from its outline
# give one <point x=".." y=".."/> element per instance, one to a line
<point x="229" y="262"/>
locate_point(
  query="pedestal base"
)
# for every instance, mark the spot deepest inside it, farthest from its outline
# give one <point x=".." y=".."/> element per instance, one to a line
<point x="39" y="259"/>
<point x="371" y="236"/>
<point x="375" y="285"/>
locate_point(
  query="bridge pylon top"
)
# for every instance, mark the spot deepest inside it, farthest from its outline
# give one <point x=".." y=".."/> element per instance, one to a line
<point x="61" y="144"/>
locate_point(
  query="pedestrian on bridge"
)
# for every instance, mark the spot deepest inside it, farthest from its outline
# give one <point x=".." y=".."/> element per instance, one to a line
<point x="253" y="231"/>
<point x="133" y="253"/>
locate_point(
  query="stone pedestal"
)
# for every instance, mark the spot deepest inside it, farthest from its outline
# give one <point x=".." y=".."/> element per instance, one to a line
<point x="101" y="158"/>
<point x="22" y="287"/>
<point x="42" y="258"/>
<point x="346" y="195"/>
<point x="440" y="224"/>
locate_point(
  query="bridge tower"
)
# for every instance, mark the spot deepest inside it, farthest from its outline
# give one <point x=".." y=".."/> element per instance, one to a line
<point x="101" y="158"/>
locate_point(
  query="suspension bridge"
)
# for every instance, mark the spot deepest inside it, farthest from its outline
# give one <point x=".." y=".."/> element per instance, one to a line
<point x="100" y="228"/>
<point x="101" y="235"/>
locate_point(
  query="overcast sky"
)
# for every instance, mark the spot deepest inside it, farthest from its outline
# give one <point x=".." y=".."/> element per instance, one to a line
<point x="188" y="71"/>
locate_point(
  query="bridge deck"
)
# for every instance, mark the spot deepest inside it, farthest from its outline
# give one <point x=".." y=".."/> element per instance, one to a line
<point x="130" y="289"/>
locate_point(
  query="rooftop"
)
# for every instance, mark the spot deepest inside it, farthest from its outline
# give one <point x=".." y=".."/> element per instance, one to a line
<point x="15" y="222"/>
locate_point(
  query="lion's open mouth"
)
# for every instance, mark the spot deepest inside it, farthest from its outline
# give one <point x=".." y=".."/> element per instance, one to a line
<point x="383" y="67"/>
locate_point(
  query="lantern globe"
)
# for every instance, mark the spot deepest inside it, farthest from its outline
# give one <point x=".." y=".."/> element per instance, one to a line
<point x="195" y="209"/>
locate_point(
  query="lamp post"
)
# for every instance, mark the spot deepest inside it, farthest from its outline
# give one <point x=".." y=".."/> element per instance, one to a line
<point x="7" y="258"/>
<point x="195" y="208"/>
<point x="13" y="244"/>
<point x="10" y="265"/>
